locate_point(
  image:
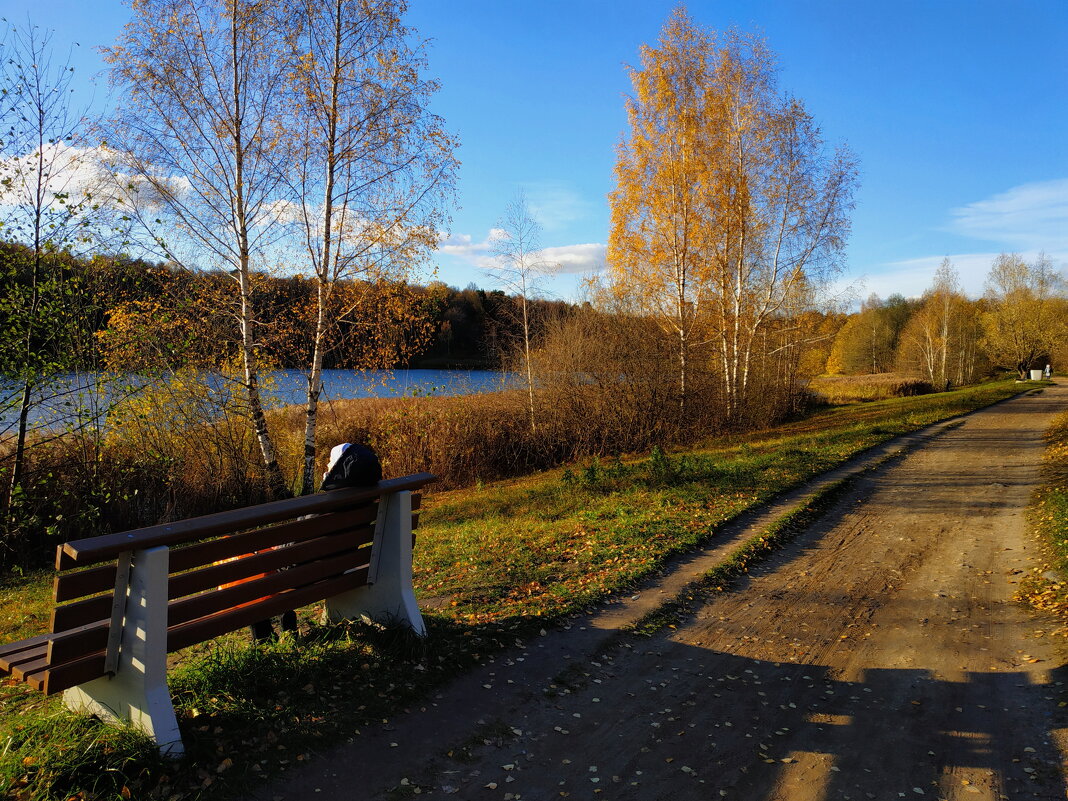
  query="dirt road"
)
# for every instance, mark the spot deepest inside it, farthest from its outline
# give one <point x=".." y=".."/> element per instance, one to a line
<point x="879" y="656"/>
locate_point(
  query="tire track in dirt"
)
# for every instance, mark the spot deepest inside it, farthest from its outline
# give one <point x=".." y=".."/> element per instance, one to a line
<point x="879" y="656"/>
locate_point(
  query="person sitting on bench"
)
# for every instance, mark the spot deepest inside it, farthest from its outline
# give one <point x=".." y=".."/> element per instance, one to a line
<point x="350" y="465"/>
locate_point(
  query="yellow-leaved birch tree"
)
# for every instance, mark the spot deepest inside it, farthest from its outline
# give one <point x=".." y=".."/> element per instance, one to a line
<point x="1027" y="317"/>
<point x="658" y="246"/>
<point x="728" y="212"/>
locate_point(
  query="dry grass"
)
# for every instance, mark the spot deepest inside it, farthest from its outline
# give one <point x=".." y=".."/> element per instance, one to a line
<point x="836" y="389"/>
<point x="462" y="440"/>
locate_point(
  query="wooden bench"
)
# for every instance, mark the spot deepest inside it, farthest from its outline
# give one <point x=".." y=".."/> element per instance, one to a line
<point x="124" y="601"/>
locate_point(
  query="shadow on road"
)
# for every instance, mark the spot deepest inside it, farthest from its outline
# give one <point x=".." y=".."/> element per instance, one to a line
<point x="707" y="721"/>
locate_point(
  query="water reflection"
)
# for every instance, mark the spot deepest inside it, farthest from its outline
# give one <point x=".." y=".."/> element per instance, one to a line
<point x="81" y="400"/>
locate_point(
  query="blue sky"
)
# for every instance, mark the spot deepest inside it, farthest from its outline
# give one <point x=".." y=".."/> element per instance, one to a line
<point x="956" y="109"/>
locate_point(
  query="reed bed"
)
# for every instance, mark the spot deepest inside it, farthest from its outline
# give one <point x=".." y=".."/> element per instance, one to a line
<point x="838" y="389"/>
<point x="159" y="459"/>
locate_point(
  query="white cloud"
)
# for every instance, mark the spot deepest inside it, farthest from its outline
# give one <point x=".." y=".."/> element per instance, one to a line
<point x="94" y="176"/>
<point x="911" y="277"/>
<point x="1031" y="216"/>
<point x="574" y="259"/>
<point x="446" y="241"/>
<point x="66" y="170"/>
<point x="464" y="248"/>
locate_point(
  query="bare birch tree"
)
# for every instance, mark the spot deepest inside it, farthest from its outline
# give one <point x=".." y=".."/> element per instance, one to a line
<point x="197" y="139"/>
<point x="373" y="167"/>
<point x="777" y="202"/>
<point x="518" y="265"/>
<point x="44" y="208"/>
<point x="932" y="331"/>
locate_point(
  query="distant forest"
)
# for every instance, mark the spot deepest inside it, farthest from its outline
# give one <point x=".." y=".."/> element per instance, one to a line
<point x="124" y="313"/>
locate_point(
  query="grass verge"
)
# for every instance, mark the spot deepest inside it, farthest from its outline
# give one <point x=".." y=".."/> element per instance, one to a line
<point x="492" y="565"/>
<point x="1046" y="588"/>
<point x="749" y="554"/>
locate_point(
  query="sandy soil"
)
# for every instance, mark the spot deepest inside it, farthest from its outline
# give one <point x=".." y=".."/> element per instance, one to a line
<point x="880" y="656"/>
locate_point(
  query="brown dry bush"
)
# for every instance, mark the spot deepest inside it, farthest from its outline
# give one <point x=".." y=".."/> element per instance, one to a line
<point x="192" y="428"/>
<point x="607" y="385"/>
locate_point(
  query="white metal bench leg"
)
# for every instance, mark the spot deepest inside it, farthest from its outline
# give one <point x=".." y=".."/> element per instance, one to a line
<point x="137" y="694"/>
<point x="389" y="596"/>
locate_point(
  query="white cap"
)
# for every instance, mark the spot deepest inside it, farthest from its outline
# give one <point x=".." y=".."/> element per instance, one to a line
<point x="335" y="454"/>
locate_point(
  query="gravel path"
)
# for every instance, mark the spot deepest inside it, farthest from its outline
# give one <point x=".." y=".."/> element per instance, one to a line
<point x="879" y="656"/>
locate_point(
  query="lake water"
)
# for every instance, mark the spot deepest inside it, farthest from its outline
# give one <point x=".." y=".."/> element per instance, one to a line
<point x="86" y="397"/>
<point x="290" y="386"/>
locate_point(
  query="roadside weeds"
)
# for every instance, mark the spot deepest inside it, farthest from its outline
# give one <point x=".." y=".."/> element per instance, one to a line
<point x="1046" y="588"/>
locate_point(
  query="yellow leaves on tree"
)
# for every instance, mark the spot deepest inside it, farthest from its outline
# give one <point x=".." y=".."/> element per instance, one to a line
<point x="1028" y="318"/>
<point x="727" y="212"/>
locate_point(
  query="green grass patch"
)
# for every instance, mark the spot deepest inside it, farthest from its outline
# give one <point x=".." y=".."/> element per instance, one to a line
<point x="25" y="604"/>
<point x="492" y="565"/>
<point x="751" y="553"/>
<point x="49" y="753"/>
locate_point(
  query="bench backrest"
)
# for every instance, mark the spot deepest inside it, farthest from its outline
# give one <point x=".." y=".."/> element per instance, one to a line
<point x="226" y="571"/>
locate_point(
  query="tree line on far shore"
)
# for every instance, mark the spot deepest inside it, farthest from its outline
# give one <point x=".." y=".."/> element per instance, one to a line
<point x="125" y="314"/>
<point x="946" y="338"/>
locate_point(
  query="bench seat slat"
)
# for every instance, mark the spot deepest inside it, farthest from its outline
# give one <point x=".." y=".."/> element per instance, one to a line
<point x="206" y="628"/>
<point x="21" y="669"/>
<point x="10" y="648"/>
<point x="248" y="592"/>
<point x="9" y="661"/>
<point x="59" y="648"/>
<point x="54" y="680"/>
<point x="205" y="553"/>
<point x="97" y="549"/>
<point x="251" y="566"/>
